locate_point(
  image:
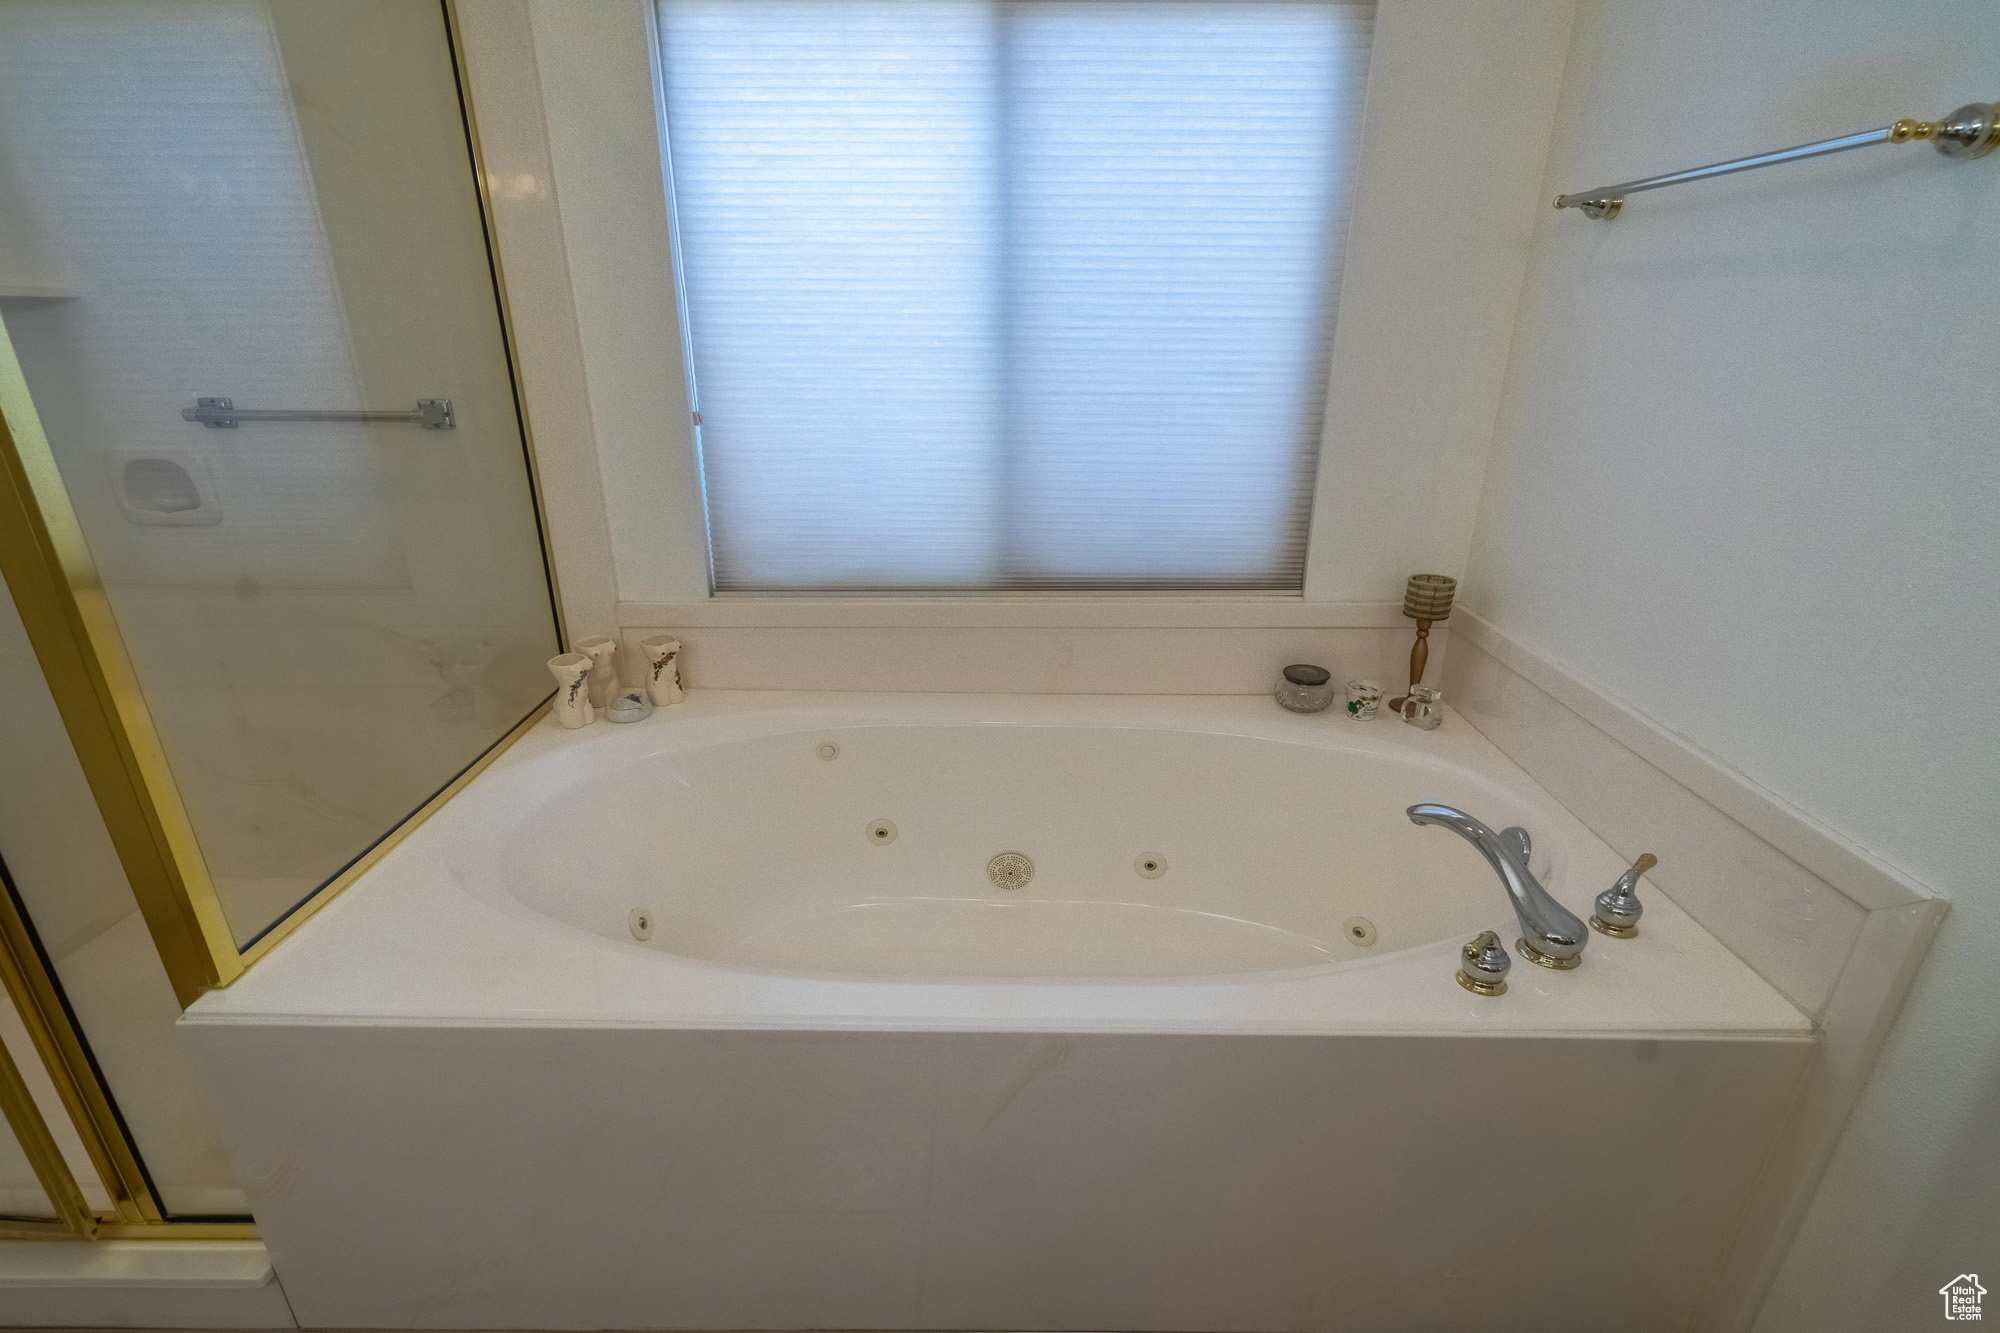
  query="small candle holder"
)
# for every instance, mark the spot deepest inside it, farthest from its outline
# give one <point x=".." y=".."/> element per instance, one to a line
<point x="1304" y="688"/>
<point x="1426" y="600"/>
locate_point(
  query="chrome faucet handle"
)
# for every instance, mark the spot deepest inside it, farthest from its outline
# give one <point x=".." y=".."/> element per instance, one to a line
<point x="1516" y="839"/>
<point x="1618" y="907"/>
<point x="1483" y="964"/>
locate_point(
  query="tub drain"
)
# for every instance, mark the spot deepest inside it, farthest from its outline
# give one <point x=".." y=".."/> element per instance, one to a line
<point x="1010" y="870"/>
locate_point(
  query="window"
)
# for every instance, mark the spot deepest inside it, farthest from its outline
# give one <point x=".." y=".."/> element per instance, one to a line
<point x="1016" y="295"/>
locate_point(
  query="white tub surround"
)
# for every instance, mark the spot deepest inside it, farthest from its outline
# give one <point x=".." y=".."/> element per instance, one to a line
<point x="853" y="1084"/>
<point x="751" y="852"/>
<point x="1026" y="644"/>
<point x="140" y="1284"/>
<point x="1837" y="930"/>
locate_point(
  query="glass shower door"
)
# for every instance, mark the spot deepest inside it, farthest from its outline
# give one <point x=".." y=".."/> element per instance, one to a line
<point x="252" y="321"/>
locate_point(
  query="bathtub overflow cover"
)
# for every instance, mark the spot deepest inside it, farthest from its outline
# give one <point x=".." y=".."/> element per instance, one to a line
<point x="1010" y="870"/>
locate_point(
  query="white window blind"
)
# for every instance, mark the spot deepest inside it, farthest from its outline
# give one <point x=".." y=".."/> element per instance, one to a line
<point x="1010" y="295"/>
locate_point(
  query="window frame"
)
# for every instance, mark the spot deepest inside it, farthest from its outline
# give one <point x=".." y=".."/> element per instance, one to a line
<point x="1434" y="266"/>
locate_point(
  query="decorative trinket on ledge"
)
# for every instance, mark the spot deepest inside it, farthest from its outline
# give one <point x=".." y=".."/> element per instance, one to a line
<point x="663" y="669"/>
<point x="603" y="655"/>
<point x="628" y="706"/>
<point x="572" y="706"/>
<point x="1304" y="688"/>
<point x="1426" y="600"/>
<point x="1423" y="707"/>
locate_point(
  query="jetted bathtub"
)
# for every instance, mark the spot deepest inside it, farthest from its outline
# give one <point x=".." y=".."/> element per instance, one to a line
<point x="973" y="1011"/>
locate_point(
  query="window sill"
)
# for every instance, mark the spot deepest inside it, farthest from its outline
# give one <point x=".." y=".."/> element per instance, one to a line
<point x="1013" y="611"/>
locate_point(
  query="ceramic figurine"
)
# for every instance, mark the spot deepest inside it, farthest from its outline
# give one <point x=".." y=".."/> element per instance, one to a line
<point x="663" y="669"/>
<point x="572" y="673"/>
<point x="603" y="655"/>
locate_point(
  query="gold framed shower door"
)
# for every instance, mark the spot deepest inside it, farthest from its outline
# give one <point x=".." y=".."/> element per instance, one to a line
<point x="49" y="570"/>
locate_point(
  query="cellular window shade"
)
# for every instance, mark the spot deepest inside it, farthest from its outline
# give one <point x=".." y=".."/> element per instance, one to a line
<point x="1010" y="296"/>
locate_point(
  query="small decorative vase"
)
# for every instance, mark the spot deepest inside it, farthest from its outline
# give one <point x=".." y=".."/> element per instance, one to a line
<point x="603" y="655"/>
<point x="663" y="669"/>
<point x="572" y="673"/>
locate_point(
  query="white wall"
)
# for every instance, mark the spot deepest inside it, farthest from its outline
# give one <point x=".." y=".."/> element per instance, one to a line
<point x="1746" y="478"/>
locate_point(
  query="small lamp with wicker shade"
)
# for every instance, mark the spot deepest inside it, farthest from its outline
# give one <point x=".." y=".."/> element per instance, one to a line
<point x="1427" y="599"/>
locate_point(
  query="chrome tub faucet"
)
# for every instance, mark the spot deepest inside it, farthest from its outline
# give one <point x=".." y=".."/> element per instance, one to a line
<point x="1550" y="935"/>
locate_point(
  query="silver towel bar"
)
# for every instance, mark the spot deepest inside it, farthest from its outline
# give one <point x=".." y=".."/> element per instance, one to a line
<point x="223" y="414"/>
<point x="1971" y="131"/>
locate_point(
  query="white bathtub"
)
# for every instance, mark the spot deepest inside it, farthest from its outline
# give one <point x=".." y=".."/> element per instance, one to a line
<point x="1177" y="1080"/>
<point x="832" y="844"/>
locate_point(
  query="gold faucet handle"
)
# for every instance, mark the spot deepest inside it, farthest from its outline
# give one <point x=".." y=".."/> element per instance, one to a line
<point x="1618" y="907"/>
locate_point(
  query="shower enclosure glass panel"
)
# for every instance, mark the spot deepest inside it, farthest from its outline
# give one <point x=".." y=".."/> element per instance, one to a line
<point x="220" y="207"/>
<point x="22" y="1197"/>
<point x="57" y="859"/>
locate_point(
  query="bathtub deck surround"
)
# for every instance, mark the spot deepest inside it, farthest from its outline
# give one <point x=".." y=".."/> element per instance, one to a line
<point x="776" y="874"/>
<point x="1840" y="932"/>
<point x="1206" y="1070"/>
<point x="1080" y="644"/>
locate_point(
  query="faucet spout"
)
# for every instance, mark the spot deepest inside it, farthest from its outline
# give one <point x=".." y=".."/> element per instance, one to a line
<point x="1550" y="934"/>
